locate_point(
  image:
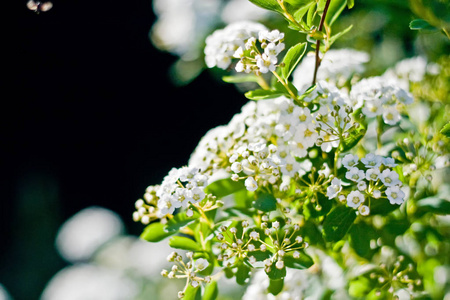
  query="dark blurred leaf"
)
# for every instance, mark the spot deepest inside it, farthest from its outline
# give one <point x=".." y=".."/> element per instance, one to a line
<point x="435" y="205"/>
<point x="303" y="262"/>
<point x="242" y="273"/>
<point x="265" y="202"/>
<point x="419" y="24"/>
<point x="338" y="222"/>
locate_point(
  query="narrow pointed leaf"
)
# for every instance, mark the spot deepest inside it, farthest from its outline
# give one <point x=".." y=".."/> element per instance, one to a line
<point x="181" y="242"/>
<point x="292" y="58"/>
<point x="155" y="232"/>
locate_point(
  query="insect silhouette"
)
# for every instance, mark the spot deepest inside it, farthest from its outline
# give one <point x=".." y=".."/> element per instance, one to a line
<point x="39" y="6"/>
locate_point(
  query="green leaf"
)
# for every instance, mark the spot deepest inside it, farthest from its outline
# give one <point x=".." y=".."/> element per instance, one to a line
<point x="292" y="58"/>
<point x="419" y="24"/>
<point x="181" y="242"/>
<point x="193" y="293"/>
<point x="303" y="262"/>
<point x="242" y="273"/>
<point x="275" y="286"/>
<point x="265" y="202"/>
<point x="381" y="206"/>
<point x="356" y="135"/>
<point x="360" y="237"/>
<point x="360" y="287"/>
<point x="435" y="205"/>
<point x="339" y="34"/>
<point x="155" y="232"/>
<point x="261" y="94"/>
<point x="338" y="222"/>
<point x="180" y="220"/>
<point x="311" y="14"/>
<point x="268" y="4"/>
<point x="240" y="78"/>
<point x="211" y="291"/>
<point x="446" y="130"/>
<point x="275" y="273"/>
<point x="334" y="10"/>
<point x="224" y="187"/>
<point x="309" y="7"/>
<point x="350" y="4"/>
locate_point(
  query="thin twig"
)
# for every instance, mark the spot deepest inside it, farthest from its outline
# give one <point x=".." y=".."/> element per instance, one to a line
<point x="322" y="21"/>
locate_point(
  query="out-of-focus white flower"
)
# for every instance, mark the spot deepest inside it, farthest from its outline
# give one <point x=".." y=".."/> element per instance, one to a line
<point x="337" y="66"/>
<point x="86" y="281"/>
<point x="4" y="295"/>
<point x="82" y="234"/>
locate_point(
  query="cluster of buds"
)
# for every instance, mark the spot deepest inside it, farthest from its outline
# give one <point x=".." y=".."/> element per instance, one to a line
<point x="187" y="270"/>
<point x="146" y="208"/>
<point x="279" y="242"/>
<point x="233" y="246"/>
<point x="399" y="275"/>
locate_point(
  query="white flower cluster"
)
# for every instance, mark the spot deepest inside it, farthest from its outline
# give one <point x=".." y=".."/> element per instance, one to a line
<point x="373" y="176"/>
<point x="271" y="139"/>
<point x="255" y="161"/>
<point x="223" y="43"/>
<point x="180" y="188"/>
<point x="187" y="270"/>
<point x="337" y="66"/>
<point x="253" y="60"/>
<point x="181" y="25"/>
<point x="380" y="97"/>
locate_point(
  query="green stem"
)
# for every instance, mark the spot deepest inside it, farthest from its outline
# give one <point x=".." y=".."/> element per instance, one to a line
<point x="379" y="132"/>
<point x="291" y="93"/>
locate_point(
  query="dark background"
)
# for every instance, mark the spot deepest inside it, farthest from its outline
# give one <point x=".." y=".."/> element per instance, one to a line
<point x="89" y="117"/>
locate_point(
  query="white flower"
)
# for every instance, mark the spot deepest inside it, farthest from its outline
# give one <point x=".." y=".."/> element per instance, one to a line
<point x="371" y="160"/>
<point x="364" y="210"/>
<point x="362" y="185"/>
<point x="389" y="162"/>
<point x="355" y="174"/>
<point x="271" y="36"/>
<point x="389" y="178"/>
<point x="354" y="199"/>
<point x="334" y="188"/>
<point x="251" y="184"/>
<point x="391" y="115"/>
<point x="395" y="195"/>
<point x="350" y="160"/>
<point x="265" y="63"/>
<point x="372" y="174"/>
<point x="201" y="264"/>
<point x="273" y="49"/>
<point x="196" y="194"/>
<point x="236" y="167"/>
